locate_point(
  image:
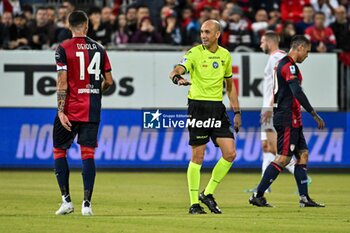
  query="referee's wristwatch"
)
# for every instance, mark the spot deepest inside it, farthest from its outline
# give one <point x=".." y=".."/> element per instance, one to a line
<point x="238" y="112"/>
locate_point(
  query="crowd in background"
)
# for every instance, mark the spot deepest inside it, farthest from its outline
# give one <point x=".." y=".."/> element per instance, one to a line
<point x="177" y="22"/>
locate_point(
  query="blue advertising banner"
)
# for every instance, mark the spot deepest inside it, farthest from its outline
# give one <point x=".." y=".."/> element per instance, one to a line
<point x="132" y="139"/>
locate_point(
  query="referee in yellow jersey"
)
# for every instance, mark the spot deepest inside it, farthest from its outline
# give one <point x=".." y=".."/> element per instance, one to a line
<point x="209" y="65"/>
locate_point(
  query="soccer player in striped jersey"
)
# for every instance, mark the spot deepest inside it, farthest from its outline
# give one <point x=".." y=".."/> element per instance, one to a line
<point x="269" y="45"/>
<point x="288" y="99"/>
<point x="83" y="73"/>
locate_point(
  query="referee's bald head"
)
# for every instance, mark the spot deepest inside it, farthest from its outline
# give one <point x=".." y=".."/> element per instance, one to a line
<point x="213" y="22"/>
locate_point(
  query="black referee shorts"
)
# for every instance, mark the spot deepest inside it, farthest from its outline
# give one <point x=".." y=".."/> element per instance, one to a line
<point x="86" y="131"/>
<point x="208" y="111"/>
<point x="290" y="141"/>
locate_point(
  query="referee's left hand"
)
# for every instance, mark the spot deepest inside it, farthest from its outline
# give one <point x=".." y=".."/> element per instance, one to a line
<point x="237" y="122"/>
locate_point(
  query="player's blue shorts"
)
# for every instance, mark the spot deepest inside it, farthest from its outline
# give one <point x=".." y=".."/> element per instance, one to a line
<point x="290" y="141"/>
<point x="86" y="131"/>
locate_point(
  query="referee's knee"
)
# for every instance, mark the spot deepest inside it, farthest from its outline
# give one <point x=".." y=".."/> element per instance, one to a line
<point x="230" y="156"/>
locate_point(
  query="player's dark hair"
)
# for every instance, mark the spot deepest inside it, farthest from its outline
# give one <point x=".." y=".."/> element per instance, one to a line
<point x="273" y="36"/>
<point x="77" y="18"/>
<point x="298" y="40"/>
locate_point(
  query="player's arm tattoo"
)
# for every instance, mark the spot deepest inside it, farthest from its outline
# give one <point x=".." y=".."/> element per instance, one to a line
<point x="61" y="99"/>
<point x="61" y="90"/>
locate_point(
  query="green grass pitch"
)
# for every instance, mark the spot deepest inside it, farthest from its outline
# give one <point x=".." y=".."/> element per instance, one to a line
<point x="158" y="202"/>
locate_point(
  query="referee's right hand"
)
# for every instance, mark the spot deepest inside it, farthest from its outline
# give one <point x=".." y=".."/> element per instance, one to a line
<point x="183" y="82"/>
<point x="179" y="80"/>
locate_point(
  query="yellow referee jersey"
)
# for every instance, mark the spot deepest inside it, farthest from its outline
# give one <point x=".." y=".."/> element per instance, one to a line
<point x="207" y="72"/>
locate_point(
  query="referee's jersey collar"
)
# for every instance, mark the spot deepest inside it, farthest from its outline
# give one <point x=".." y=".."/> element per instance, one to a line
<point x="209" y="50"/>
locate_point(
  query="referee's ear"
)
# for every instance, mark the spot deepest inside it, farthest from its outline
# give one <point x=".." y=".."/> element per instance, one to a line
<point x="218" y="34"/>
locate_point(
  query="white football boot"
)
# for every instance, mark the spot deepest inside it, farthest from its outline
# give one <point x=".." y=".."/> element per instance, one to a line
<point x="65" y="208"/>
<point x="86" y="209"/>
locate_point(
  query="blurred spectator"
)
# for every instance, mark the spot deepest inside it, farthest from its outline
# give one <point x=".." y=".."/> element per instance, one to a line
<point x="202" y="5"/>
<point x="131" y="20"/>
<point x="171" y="30"/>
<point x="327" y="7"/>
<point x="341" y="29"/>
<point x="62" y="16"/>
<point x="108" y="18"/>
<point x="225" y="15"/>
<point x="267" y="5"/>
<point x="28" y="13"/>
<point x="9" y="27"/>
<point x="176" y="5"/>
<point x="229" y="6"/>
<point x="69" y="5"/>
<point x="4" y="36"/>
<point x="142" y="12"/>
<point x="291" y="10"/>
<point x="190" y="27"/>
<point x="51" y="15"/>
<point x="259" y="27"/>
<point x="51" y="21"/>
<point x="122" y="6"/>
<point x="215" y="14"/>
<point x="98" y="30"/>
<point x="275" y="21"/>
<point x="40" y="35"/>
<point x="346" y="5"/>
<point x="146" y="33"/>
<point x="121" y="35"/>
<point x="249" y="7"/>
<point x="23" y="33"/>
<point x="164" y="12"/>
<point x="5" y="6"/>
<point x="308" y="15"/>
<point x="204" y="15"/>
<point x="237" y="32"/>
<point x="153" y="10"/>
<point x="322" y="38"/>
<point x="286" y="35"/>
<point x="63" y="33"/>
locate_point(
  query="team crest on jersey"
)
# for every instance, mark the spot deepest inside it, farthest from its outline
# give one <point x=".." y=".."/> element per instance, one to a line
<point x="292" y="69"/>
<point x="215" y="65"/>
<point x="292" y="147"/>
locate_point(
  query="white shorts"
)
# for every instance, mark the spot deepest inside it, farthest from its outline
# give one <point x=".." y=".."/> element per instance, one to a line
<point x="266" y="127"/>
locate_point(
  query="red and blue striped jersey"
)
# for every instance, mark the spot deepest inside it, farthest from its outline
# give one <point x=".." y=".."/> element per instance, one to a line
<point x="85" y="61"/>
<point x="287" y="110"/>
